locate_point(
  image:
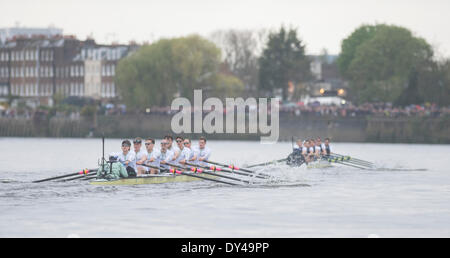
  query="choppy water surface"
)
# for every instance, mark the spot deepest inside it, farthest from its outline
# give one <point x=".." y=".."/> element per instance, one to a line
<point x="339" y="202"/>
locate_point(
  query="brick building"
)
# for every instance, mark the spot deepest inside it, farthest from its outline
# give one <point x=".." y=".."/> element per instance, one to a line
<point x="38" y="68"/>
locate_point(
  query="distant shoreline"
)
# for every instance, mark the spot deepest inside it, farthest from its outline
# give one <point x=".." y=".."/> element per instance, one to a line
<point x="425" y="130"/>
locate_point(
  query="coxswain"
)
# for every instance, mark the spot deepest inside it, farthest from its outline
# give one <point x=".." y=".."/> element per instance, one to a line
<point x="153" y="155"/>
<point x="296" y="158"/>
<point x="298" y="145"/>
<point x="112" y="170"/>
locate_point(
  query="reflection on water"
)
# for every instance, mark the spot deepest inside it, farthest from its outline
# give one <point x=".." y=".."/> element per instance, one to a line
<point x="296" y="202"/>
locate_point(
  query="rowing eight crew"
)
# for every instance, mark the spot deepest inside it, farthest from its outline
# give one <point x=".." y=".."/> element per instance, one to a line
<point x="180" y="154"/>
<point x="309" y="150"/>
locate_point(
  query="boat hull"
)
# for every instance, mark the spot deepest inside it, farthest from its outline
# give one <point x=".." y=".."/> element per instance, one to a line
<point x="152" y="179"/>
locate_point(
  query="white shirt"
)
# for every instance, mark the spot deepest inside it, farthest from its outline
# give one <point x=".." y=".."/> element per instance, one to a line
<point x="139" y="155"/>
<point x="321" y="148"/>
<point x="185" y="153"/>
<point x="167" y="157"/>
<point x="297" y="147"/>
<point x="130" y="157"/>
<point x="202" y="153"/>
<point x="155" y="154"/>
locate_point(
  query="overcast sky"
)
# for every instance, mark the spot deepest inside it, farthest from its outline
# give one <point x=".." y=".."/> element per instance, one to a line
<point x="321" y="23"/>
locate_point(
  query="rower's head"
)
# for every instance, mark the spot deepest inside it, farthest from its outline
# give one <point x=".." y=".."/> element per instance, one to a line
<point x="306" y="143"/>
<point x="164" y="145"/>
<point x="312" y="142"/>
<point x="187" y="143"/>
<point x="113" y="157"/>
<point x="149" y="144"/>
<point x="180" y="141"/>
<point x="202" y="142"/>
<point x="299" y="143"/>
<point x="327" y="141"/>
<point x="126" y="145"/>
<point x="318" y="141"/>
<point x="137" y="144"/>
<point x="169" y="139"/>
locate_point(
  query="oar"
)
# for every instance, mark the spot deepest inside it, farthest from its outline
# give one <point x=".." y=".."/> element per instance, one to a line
<point x="346" y="164"/>
<point x="199" y="170"/>
<point x="187" y="174"/>
<point x="78" y="177"/>
<point x="267" y="163"/>
<point x="233" y="167"/>
<point x="89" y="177"/>
<point x="214" y="168"/>
<point x="348" y="160"/>
<point x="205" y="178"/>
<point x="85" y="171"/>
<point x="354" y="159"/>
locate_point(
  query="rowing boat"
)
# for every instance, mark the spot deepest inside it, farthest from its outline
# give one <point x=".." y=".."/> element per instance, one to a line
<point x="150" y="179"/>
<point x="319" y="164"/>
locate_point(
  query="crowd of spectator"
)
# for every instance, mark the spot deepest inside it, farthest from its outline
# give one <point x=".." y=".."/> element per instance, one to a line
<point x="310" y="110"/>
<point x="367" y="109"/>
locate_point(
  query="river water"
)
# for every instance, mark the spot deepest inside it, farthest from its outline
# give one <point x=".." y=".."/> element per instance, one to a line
<point x="336" y="202"/>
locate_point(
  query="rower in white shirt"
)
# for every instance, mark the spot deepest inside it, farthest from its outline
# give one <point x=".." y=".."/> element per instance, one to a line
<point x="327" y="147"/>
<point x="298" y="145"/>
<point x="171" y="147"/>
<point x="187" y="144"/>
<point x="141" y="156"/>
<point x="321" y="146"/>
<point x="186" y="153"/>
<point x="202" y="153"/>
<point x="166" y="155"/>
<point x="153" y="155"/>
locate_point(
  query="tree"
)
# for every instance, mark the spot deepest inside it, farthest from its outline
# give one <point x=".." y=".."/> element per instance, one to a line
<point x="383" y="64"/>
<point x="434" y="83"/>
<point x="170" y="67"/>
<point x="228" y="86"/>
<point x="351" y="44"/>
<point x="241" y="49"/>
<point x="283" y="61"/>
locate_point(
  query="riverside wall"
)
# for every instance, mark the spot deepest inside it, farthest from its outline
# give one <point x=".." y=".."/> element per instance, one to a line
<point x="349" y="129"/>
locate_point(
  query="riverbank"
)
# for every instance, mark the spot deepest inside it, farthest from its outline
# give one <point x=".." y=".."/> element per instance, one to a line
<point x="349" y="129"/>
